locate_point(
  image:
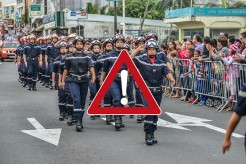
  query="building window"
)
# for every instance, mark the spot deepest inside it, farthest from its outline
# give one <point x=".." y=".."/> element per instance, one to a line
<point x="189" y="33"/>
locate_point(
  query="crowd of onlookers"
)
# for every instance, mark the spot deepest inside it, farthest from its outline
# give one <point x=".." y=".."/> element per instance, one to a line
<point x="201" y="65"/>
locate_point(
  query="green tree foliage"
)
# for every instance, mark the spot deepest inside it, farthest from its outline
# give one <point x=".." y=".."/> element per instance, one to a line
<point x="239" y="4"/>
<point x="210" y="4"/>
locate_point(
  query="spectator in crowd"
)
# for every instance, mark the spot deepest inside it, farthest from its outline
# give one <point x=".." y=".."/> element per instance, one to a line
<point x="9" y="38"/>
<point x="232" y="74"/>
<point x="197" y="41"/>
<point x="164" y="48"/>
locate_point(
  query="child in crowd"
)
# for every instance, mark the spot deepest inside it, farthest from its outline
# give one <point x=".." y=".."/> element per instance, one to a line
<point x="232" y="74"/>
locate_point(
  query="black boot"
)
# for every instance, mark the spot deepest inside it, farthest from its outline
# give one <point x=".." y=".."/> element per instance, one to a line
<point x="139" y="119"/>
<point x="108" y="120"/>
<point x="62" y="116"/>
<point x="29" y="87"/>
<point x="148" y="138"/>
<point x="111" y="118"/>
<point x="93" y="117"/>
<point x="153" y="138"/>
<point x="24" y="83"/>
<point x="70" y="117"/>
<point x="131" y="116"/>
<point x="34" y="87"/>
<point x="79" y="125"/>
<point x="118" y="122"/>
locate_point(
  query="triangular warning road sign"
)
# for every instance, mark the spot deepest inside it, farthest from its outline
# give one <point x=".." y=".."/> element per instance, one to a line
<point x="152" y="109"/>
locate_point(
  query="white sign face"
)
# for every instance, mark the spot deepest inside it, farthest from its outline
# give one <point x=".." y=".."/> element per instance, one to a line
<point x="49" y="135"/>
<point x="49" y="25"/>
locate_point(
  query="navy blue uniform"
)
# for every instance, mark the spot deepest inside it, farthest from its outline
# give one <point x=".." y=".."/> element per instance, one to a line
<point x="32" y="52"/>
<point x="43" y="67"/>
<point x="78" y="66"/>
<point x="115" y="87"/>
<point x="153" y="77"/>
<point x="69" y="100"/>
<point x="240" y="107"/>
<point x="61" y="92"/>
<point x="52" y="53"/>
<point x="19" y="53"/>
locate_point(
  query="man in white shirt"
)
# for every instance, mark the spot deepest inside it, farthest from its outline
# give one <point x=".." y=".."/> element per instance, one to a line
<point x="10" y="38"/>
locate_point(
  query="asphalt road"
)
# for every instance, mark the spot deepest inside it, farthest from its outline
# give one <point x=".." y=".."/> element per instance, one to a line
<point x="100" y="143"/>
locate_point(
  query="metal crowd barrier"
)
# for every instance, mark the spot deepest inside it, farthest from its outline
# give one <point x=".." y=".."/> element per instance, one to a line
<point x="212" y="81"/>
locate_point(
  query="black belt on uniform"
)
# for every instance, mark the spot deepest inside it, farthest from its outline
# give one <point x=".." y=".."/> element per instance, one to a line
<point x="79" y="77"/>
<point x="32" y="58"/>
<point x="155" y="89"/>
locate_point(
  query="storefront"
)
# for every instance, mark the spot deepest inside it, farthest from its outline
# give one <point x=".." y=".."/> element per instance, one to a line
<point x="207" y="21"/>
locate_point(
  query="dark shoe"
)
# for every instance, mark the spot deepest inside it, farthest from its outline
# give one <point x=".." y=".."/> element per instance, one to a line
<point x="93" y="117"/>
<point x="111" y="118"/>
<point x="79" y="126"/>
<point x="131" y="116"/>
<point x="107" y="120"/>
<point x="61" y="117"/>
<point x="34" y="88"/>
<point x="148" y="138"/>
<point x="29" y="87"/>
<point x="153" y="138"/>
<point x="24" y="83"/>
<point x="118" y="122"/>
<point x="139" y="119"/>
<point x="69" y="120"/>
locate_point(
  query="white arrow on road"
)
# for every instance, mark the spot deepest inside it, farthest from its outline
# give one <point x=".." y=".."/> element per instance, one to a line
<point x="183" y="120"/>
<point x="49" y="135"/>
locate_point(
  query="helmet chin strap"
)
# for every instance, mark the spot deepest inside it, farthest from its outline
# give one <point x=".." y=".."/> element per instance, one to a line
<point x="118" y="48"/>
<point x="79" y="49"/>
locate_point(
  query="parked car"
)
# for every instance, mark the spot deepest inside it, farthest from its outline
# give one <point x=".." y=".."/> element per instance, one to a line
<point x="8" y="50"/>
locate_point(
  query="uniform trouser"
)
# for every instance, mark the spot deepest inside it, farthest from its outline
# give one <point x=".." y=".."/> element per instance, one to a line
<point x="19" y="71"/>
<point x="69" y="100"/>
<point x="23" y="72"/>
<point x="43" y="71"/>
<point x="94" y="88"/>
<point x="78" y="92"/>
<point x="139" y="97"/>
<point x="116" y="93"/>
<point x="49" y="72"/>
<point x="62" y="100"/>
<point x="32" y="72"/>
<point x="108" y="100"/>
<point x="129" y="92"/>
<point x="150" y="121"/>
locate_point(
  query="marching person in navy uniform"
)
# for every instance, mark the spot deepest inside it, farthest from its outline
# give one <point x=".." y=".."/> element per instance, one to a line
<point x="115" y="88"/>
<point x="130" y="85"/>
<point x="47" y="43"/>
<point x="61" y="92"/>
<point x="32" y="57"/>
<point x="98" y="64"/>
<point x="23" y="66"/>
<point x="152" y="70"/>
<point x="69" y="100"/>
<point x="76" y="68"/>
<point x="108" y="46"/>
<point x="51" y="54"/>
<point x="239" y="111"/>
<point x="19" y="53"/>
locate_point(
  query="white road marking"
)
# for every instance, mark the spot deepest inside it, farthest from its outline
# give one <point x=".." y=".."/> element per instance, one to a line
<point x="49" y="135"/>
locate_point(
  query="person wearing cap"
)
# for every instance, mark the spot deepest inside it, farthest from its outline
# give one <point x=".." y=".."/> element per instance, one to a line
<point x="98" y="64"/>
<point x="50" y="55"/>
<point x="115" y="88"/>
<point x="152" y="71"/>
<point x="61" y="92"/>
<point x="76" y="70"/>
<point x="239" y="111"/>
<point x="32" y="57"/>
<point x="108" y="46"/>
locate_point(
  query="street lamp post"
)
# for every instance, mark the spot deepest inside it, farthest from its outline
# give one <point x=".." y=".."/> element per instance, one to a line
<point x="124" y="26"/>
<point x="115" y="17"/>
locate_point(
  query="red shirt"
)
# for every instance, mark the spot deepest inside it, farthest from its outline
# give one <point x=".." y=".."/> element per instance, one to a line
<point x="152" y="60"/>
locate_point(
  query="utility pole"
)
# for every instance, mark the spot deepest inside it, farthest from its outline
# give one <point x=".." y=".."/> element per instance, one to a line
<point x="145" y="13"/>
<point x="115" y="17"/>
<point x="170" y="30"/>
<point x="124" y="10"/>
